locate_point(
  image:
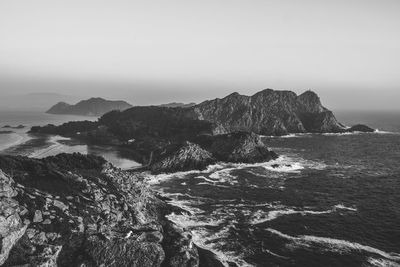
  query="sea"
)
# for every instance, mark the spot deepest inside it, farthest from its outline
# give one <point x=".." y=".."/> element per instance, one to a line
<point x="328" y="200"/>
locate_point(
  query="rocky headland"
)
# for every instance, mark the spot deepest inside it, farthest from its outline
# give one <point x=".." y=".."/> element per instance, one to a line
<point x="75" y="210"/>
<point x="269" y="112"/>
<point x="90" y="107"/>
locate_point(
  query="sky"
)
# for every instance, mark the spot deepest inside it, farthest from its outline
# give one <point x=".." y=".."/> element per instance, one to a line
<point x="152" y="52"/>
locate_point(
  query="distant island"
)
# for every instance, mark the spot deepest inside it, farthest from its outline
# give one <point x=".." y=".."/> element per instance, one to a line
<point x="90" y="107"/>
<point x="6" y="132"/>
<point x="14" y="127"/>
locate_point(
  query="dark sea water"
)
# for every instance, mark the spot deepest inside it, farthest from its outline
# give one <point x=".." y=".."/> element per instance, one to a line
<point x="334" y="200"/>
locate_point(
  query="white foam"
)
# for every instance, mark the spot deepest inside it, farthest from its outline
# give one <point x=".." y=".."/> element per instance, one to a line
<point x="335" y="245"/>
<point x="342" y="207"/>
<point x="293" y="135"/>
<point x="261" y="217"/>
<point x="382" y="262"/>
<point x="287" y="168"/>
<point x="377" y="131"/>
<point x="341" y="134"/>
<point x="209" y="241"/>
<point x="188" y="222"/>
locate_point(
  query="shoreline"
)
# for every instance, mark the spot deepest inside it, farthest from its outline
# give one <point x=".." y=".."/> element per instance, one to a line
<point x="21" y="138"/>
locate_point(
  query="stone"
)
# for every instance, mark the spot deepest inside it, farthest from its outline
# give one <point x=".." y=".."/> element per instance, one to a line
<point x="9" y="240"/>
<point x="37" y="217"/>
<point x="47" y="221"/>
<point x="60" y="205"/>
<point x="39" y="238"/>
<point x="30" y="232"/>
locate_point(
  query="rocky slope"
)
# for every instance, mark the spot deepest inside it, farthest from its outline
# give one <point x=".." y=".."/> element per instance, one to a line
<point x="238" y="147"/>
<point x="75" y="210"/>
<point x="184" y="157"/>
<point x="268" y="112"/>
<point x="91" y="107"/>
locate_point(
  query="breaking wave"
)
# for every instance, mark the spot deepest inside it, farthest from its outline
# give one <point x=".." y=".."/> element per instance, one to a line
<point x="334" y="245"/>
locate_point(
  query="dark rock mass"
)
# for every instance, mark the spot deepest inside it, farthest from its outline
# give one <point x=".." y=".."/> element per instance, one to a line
<point x="76" y="210"/>
<point x="91" y="107"/>
<point x="361" y="128"/>
<point x="237" y="147"/>
<point x="269" y="112"/>
<point x="184" y="157"/>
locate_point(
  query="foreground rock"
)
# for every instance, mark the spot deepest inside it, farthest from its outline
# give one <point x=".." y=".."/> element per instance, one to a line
<point x="12" y="228"/>
<point x="75" y="210"/>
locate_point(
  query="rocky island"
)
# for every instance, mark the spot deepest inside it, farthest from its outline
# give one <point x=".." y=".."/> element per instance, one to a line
<point x="91" y="107"/>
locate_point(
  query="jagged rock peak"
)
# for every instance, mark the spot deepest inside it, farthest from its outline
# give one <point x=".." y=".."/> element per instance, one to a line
<point x="269" y="112"/>
<point x="187" y="156"/>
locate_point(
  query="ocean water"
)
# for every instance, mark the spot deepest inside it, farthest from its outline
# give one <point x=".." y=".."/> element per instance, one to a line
<point x="329" y="200"/>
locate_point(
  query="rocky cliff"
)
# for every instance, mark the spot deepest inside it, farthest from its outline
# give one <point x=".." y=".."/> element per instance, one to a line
<point x="75" y="210"/>
<point x="268" y="112"/>
<point x="183" y="157"/>
<point x="91" y="107"/>
<point x="237" y="147"/>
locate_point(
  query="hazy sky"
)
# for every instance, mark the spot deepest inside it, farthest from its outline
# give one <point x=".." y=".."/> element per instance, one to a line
<point x="148" y="51"/>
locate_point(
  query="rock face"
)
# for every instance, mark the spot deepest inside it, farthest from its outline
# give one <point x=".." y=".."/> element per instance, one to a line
<point x="11" y="226"/>
<point x="76" y="210"/>
<point x="269" y="112"/>
<point x="91" y="107"/>
<point x="185" y="157"/>
<point x="238" y="147"/>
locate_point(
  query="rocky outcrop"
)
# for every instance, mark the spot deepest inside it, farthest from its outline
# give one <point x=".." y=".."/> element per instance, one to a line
<point x="75" y="210"/>
<point x="360" y="128"/>
<point x="268" y="112"/>
<point x="12" y="228"/>
<point x="91" y="107"/>
<point x="237" y="147"/>
<point x="185" y="157"/>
